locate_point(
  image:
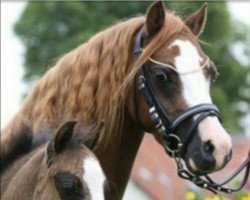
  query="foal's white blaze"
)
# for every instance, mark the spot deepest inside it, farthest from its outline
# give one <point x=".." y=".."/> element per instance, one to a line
<point x="196" y="91"/>
<point x="94" y="178"/>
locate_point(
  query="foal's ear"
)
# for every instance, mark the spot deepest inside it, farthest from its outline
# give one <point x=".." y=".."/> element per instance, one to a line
<point x="196" y="21"/>
<point x="155" y="18"/>
<point x="63" y="135"/>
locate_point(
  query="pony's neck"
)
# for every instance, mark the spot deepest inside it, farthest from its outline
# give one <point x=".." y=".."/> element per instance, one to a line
<point x="117" y="157"/>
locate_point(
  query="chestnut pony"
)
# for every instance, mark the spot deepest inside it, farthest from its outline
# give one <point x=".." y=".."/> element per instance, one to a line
<point x="61" y="169"/>
<point x="97" y="82"/>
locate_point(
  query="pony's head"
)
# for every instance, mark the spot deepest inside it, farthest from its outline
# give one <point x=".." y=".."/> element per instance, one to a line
<point x="179" y="76"/>
<point x="72" y="171"/>
<point x="94" y="82"/>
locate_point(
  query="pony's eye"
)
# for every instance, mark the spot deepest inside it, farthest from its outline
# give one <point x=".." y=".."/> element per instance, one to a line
<point x="160" y="75"/>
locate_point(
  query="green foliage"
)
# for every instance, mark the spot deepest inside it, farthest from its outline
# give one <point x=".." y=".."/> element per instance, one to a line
<point x="50" y="29"/>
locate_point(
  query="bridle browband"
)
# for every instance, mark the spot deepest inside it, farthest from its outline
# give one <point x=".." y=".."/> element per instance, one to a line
<point x="167" y="127"/>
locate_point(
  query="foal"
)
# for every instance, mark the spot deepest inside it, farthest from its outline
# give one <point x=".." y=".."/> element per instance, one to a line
<point x="64" y="168"/>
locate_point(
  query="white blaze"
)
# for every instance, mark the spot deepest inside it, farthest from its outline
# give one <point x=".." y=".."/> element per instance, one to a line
<point x="94" y="178"/>
<point x="195" y="85"/>
<point x="196" y="91"/>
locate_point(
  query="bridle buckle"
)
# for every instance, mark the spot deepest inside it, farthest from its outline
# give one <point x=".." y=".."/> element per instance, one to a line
<point x="172" y="144"/>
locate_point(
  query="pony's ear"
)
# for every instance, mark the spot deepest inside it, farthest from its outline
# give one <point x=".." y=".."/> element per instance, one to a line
<point x="155" y="18"/>
<point x="196" y="21"/>
<point x="63" y="135"/>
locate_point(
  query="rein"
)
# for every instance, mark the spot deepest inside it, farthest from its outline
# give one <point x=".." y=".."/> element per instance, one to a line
<point x="166" y="127"/>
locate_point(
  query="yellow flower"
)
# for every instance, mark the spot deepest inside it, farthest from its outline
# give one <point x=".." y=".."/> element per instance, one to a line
<point x="190" y="196"/>
<point x="247" y="197"/>
<point x="215" y="198"/>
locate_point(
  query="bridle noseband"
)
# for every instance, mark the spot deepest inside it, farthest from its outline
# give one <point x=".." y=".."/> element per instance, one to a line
<point x="167" y="128"/>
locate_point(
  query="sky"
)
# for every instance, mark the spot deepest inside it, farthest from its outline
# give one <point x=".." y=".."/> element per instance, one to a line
<point x="12" y="71"/>
<point x="12" y="53"/>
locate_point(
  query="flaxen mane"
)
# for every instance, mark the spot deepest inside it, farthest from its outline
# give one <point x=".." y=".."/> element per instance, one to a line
<point x="90" y="82"/>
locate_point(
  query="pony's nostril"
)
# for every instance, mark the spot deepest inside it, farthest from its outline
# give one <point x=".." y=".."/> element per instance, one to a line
<point x="229" y="156"/>
<point x="209" y="147"/>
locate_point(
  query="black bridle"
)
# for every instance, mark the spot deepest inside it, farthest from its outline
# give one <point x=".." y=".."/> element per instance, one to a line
<point x="167" y="127"/>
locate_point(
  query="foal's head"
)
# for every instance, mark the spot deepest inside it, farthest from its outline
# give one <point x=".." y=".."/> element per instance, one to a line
<point x="70" y="170"/>
<point x="62" y="169"/>
<point x="180" y="75"/>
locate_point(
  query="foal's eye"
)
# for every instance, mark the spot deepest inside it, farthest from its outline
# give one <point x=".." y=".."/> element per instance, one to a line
<point x="66" y="181"/>
<point x="160" y="75"/>
<point x="69" y="186"/>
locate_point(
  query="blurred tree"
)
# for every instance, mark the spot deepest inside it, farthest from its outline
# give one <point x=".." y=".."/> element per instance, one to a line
<point x="50" y="29"/>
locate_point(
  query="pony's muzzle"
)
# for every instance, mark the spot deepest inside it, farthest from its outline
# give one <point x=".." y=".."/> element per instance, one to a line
<point x="216" y="143"/>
